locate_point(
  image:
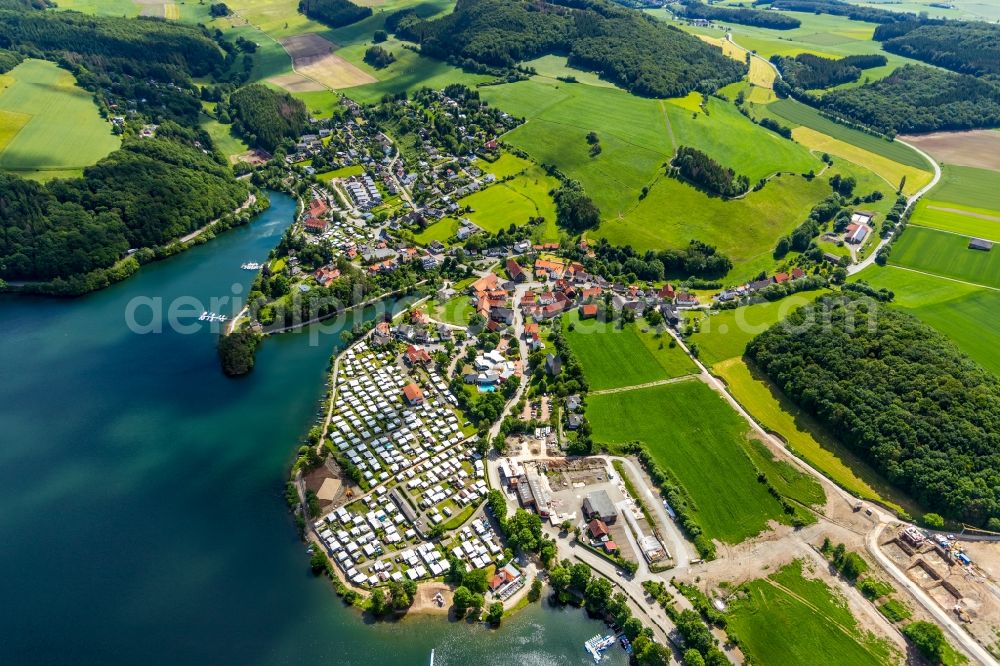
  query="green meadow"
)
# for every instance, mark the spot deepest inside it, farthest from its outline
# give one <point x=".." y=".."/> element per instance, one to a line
<point x="745" y="229"/>
<point x="788" y="111"/>
<point x="228" y="143"/>
<point x="613" y="357"/>
<point x="946" y="216"/>
<point x="962" y="312"/>
<point x="696" y="437"/>
<point x="946" y="254"/>
<point x="514" y="201"/>
<point x="792" y="620"/>
<point x="725" y="334"/>
<point x="978" y="188"/>
<point x="49" y="126"/>
<point x="806" y="438"/>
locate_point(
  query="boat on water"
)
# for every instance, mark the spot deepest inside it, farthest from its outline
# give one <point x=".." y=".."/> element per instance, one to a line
<point x="251" y="266"/>
<point x="598" y="644"/>
<point x="212" y="316"/>
<point x="625" y="644"/>
<point x="432" y="657"/>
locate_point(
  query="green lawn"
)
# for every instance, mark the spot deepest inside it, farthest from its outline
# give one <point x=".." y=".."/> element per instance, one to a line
<point x="613" y="357"/>
<point x="48" y="125"/>
<point x="513" y="202"/>
<point x="946" y="254"/>
<point x="440" y="231"/>
<point x="127" y="8"/>
<point x="797" y="113"/>
<point x="228" y="143"/>
<point x="697" y="438"/>
<point x="507" y="164"/>
<point x="746" y="230"/>
<point x="978" y="188"/>
<point x="978" y="222"/>
<point x="789" y="619"/>
<point x="343" y="172"/>
<point x="964" y="313"/>
<point x="725" y="334"/>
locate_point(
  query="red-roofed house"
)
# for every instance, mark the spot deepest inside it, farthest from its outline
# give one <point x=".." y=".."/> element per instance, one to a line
<point x="666" y="292"/>
<point x="781" y="277"/>
<point x="315" y="225"/>
<point x="588" y="311"/>
<point x="382" y="335"/>
<point x="590" y="294"/>
<point x="515" y="271"/>
<point x="598" y="529"/>
<point x="610" y="547"/>
<point x="417" y="355"/>
<point x="318" y="208"/>
<point x="413" y="394"/>
<point x="326" y="275"/>
<point x="798" y="273"/>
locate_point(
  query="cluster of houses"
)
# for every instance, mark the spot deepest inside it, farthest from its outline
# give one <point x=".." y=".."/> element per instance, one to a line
<point x="363" y="191"/>
<point x="752" y="287"/>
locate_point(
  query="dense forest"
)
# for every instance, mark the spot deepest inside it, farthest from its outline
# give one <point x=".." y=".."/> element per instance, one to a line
<point x="635" y="51"/>
<point x="701" y="170"/>
<point x="899" y="394"/>
<point x="967" y="47"/>
<point x="575" y="211"/>
<point x="145" y="63"/>
<point x="266" y="117"/>
<point x="838" y="8"/>
<point x="808" y="72"/>
<point x="148" y="193"/>
<point x="334" y="13"/>
<point x="9" y="60"/>
<point x="695" y="9"/>
<point x="915" y="98"/>
<point x="612" y="262"/>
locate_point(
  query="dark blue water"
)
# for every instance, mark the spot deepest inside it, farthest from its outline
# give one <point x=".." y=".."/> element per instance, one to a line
<point x="141" y="509"/>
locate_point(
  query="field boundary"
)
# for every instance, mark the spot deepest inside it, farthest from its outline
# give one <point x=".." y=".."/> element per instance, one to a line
<point x="943" y="277"/>
<point x="636" y="387"/>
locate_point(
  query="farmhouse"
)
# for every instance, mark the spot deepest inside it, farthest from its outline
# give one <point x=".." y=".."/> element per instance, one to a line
<point x="599" y="505"/>
<point x="856" y="233"/>
<point x="413" y="394"/>
<point x="598" y="529"/>
<point x="417" y="356"/>
<point x="315" y="225"/>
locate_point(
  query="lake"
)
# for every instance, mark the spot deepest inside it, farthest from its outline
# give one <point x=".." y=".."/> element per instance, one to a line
<point x="141" y="508"/>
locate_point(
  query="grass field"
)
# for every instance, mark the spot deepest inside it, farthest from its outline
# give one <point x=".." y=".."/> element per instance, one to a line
<point x="963" y="313"/>
<point x="227" y="143"/>
<point x="978" y="188"/>
<point x="613" y="357"/>
<point x="725" y="335"/>
<point x="789" y="619"/>
<point x="49" y="125"/>
<point x="514" y="201"/>
<point x="343" y="172"/>
<point x="978" y="222"/>
<point x="441" y="231"/>
<point x="745" y="229"/>
<point x="553" y="67"/>
<point x="803" y="435"/>
<point x="505" y="165"/>
<point x="692" y="433"/>
<point x="790" y="111"/>
<point x="128" y="8"/>
<point x="946" y="254"/>
<point x="890" y="171"/>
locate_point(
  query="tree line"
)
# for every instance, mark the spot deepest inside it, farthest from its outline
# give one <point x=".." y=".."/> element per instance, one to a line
<point x="702" y="171"/>
<point x="334" y="13"/>
<point x="899" y="394"/>
<point x="967" y="47"/>
<point x="807" y="71"/>
<point x="636" y="51"/>
<point x="837" y="8"/>
<point x="695" y="9"/>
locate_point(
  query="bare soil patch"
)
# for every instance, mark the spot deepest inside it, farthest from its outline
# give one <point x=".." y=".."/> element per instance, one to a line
<point x="155" y="8"/>
<point x="974" y="148"/>
<point x="295" y="82"/>
<point x="424" y="601"/>
<point x="313" y="57"/>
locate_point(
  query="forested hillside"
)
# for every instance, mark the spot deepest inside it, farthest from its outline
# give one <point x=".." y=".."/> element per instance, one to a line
<point x="838" y="8"/>
<point x="148" y="193"/>
<point x="266" y="117"/>
<point x="634" y="50"/>
<point x="898" y="393"/>
<point x="968" y="47"/>
<point x="694" y="9"/>
<point x="808" y="71"/>
<point x="334" y="13"/>
<point x="915" y="98"/>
